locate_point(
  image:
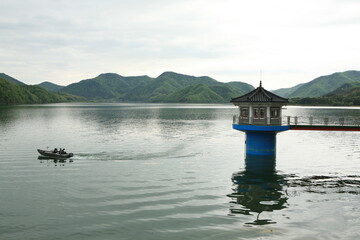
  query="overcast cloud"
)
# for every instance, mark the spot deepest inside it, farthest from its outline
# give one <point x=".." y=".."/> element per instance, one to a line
<point x="65" y="41"/>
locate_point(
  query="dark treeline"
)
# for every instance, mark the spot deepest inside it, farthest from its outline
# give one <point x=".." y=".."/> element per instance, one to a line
<point x="328" y="101"/>
<point x="11" y="93"/>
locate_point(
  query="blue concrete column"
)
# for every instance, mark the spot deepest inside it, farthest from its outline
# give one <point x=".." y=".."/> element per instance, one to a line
<point x="260" y="140"/>
<point x="260" y="165"/>
<point x="261" y="143"/>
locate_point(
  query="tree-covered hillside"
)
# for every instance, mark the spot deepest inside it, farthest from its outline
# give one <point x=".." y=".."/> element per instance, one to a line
<point x="286" y="92"/>
<point x="168" y="87"/>
<point x="11" y="93"/>
<point x="346" y="95"/>
<point x="341" y="88"/>
<point x="201" y="94"/>
<point x="241" y="87"/>
<point x="11" y="79"/>
<point x="160" y="88"/>
<point x="346" y="90"/>
<point x="50" y="86"/>
<point x="320" y="86"/>
<point x="105" y="86"/>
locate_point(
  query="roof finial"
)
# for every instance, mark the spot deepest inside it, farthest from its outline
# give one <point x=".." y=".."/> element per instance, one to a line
<point x="260" y="84"/>
<point x="260" y="77"/>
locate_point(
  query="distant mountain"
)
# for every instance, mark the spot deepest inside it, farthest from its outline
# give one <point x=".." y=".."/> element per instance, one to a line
<point x="201" y="93"/>
<point x="241" y="86"/>
<point x="12" y="93"/>
<point x="286" y="92"/>
<point x="168" y="87"/>
<point x="346" y="95"/>
<point x="342" y="88"/>
<point x="50" y="86"/>
<point x="11" y="79"/>
<point x="195" y="94"/>
<point x="320" y="86"/>
<point x="164" y="85"/>
<point x="346" y="90"/>
<point x="105" y="86"/>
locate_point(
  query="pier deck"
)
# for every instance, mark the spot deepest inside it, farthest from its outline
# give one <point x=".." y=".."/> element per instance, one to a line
<point x="308" y="123"/>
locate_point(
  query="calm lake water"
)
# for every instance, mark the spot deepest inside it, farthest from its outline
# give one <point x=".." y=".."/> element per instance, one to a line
<point x="170" y="171"/>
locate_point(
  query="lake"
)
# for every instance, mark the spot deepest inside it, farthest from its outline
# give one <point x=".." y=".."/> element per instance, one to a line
<point x="172" y="171"/>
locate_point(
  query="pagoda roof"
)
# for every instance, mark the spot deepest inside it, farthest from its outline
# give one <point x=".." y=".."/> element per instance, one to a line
<point x="260" y="95"/>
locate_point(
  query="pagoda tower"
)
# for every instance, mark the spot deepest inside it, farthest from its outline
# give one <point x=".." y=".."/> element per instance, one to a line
<point x="260" y="117"/>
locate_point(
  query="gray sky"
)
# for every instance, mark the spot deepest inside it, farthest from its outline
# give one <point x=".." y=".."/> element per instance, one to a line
<point x="292" y="41"/>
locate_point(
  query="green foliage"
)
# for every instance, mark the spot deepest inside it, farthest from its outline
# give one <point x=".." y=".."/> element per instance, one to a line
<point x="286" y="92"/>
<point x="321" y="85"/>
<point x="11" y="93"/>
<point x="346" y="95"/>
<point x="105" y="86"/>
<point x="195" y="94"/>
<point x="166" y="84"/>
<point x="165" y="88"/>
<point x="50" y="86"/>
<point x="335" y="89"/>
<point x="241" y="87"/>
<point x="11" y="79"/>
<point x="348" y="89"/>
<point x="327" y="101"/>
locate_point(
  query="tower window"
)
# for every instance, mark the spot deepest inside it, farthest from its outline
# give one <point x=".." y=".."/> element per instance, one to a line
<point x="259" y="112"/>
<point x="245" y="112"/>
<point x="275" y="112"/>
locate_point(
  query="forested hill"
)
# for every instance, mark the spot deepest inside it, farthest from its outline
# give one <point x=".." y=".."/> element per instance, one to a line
<point x="341" y="88"/>
<point x="105" y="86"/>
<point x="320" y="86"/>
<point x="50" y="86"/>
<point x="346" y="95"/>
<point x="14" y="93"/>
<point x="11" y="79"/>
<point x="286" y="92"/>
<point x="168" y="87"/>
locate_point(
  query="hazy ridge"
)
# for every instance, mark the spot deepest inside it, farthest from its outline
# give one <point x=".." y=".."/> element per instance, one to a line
<point x="342" y="88"/>
<point x="168" y="87"/>
<point x="320" y="86"/>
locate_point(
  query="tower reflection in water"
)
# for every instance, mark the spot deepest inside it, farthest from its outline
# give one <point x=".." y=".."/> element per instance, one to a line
<point x="259" y="188"/>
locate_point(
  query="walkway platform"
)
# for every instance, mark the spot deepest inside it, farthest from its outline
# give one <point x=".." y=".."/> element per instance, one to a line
<point x="324" y="128"/>
<point x="299" y="123"/>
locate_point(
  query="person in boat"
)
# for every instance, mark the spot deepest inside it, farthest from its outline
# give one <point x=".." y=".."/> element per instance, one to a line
<point x="55" y="150"/>
<point x="62" y="151"/>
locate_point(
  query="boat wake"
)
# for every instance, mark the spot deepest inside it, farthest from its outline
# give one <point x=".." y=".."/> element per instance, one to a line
<point x="120" y="156"/>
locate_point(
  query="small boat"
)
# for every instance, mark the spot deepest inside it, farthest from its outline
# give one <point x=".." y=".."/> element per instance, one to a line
<point x="53" y="154"/>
